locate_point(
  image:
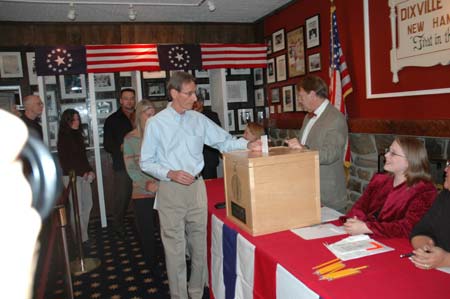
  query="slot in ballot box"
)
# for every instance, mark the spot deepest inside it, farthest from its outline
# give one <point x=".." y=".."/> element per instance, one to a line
<point x="267" y="193"/>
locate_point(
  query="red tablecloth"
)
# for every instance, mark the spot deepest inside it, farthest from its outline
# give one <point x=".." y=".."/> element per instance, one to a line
<point x="388" y="276"/>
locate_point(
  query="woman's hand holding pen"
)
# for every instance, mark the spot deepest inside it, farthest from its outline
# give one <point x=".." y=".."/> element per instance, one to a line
<point x="429" y="257"/>
<point x="354" y="226"/>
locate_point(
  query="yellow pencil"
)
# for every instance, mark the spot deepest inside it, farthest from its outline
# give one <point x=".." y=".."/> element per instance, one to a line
<point x="324" y="264"/>
<point x="329" y="268"/>
<point x="343" y="273"/>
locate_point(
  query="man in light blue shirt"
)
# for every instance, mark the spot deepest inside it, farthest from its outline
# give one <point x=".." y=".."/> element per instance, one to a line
<point x="172" y="151"/>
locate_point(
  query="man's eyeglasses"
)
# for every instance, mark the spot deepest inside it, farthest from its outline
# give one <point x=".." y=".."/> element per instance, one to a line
<point x="189" y="94"/>
<point x="389" y="151"/>
<point x="447" y="164"/>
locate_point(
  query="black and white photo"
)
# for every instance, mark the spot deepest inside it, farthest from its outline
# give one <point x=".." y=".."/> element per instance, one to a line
<point x="104" y="82"/>
<point x="278" y="40"/>
<point x="314" y="63"/>
<point x="72" y="86"/>
<point x="10" y="65"/>
<point x="312" y="32"/>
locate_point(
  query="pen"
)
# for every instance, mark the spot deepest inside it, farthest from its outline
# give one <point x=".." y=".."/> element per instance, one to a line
<point x="324" y="264"/>
<point x="409" y="254"/>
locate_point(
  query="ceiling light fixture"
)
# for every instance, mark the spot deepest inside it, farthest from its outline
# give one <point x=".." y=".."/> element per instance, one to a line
<point x="211" y="6"/>
<point x="132" y="14"/>
<point x="71" y="15"/>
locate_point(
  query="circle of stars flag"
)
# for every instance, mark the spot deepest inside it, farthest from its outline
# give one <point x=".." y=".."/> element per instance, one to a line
<point x="60" y="60"/>
<point x="180" y="57"/>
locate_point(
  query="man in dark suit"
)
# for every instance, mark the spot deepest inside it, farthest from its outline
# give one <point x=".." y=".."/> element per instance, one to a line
<point x="324" y="129"/>
<point x="117" y="125"/>
<point x="210" y="155"/>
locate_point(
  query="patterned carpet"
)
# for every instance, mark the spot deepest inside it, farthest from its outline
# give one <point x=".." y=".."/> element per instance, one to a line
<point x="123" y="273"/>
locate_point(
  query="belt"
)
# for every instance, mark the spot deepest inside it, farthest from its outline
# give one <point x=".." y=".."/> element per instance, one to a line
<point x="198" y="176"/>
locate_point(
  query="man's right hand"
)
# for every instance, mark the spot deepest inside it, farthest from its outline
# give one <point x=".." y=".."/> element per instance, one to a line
<point x="293" y="143"/>
<point x="181" y="177"/>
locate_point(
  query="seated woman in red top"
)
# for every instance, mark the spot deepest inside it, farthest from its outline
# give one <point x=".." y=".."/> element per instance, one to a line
<point x="394" y="202"/>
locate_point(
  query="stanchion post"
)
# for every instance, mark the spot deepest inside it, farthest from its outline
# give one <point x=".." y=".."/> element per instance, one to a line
<point x="63" y="225"/>
<point x="81" y="265"/>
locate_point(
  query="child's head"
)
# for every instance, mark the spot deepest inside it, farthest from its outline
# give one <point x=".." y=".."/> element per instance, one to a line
<point x="253" y="131"/>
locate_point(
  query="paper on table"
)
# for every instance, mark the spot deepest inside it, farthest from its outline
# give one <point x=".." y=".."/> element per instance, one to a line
<point x="354" y="247"/>
<point x="264" y="144"/>
<point x="328" y="214"/>
<point x="319" y="231"/>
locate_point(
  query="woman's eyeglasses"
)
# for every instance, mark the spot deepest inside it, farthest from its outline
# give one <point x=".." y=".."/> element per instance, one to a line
<point x="389" y="151"/>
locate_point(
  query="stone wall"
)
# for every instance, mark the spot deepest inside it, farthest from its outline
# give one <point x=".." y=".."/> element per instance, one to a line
<point x="368" y="157"/>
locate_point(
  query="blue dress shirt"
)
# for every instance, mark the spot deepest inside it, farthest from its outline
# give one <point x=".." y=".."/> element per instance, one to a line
<point x="174" y="141"/>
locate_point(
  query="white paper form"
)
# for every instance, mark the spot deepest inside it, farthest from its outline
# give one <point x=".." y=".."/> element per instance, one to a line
<point x="354" y="247"/>
<point x="319" y="231"/>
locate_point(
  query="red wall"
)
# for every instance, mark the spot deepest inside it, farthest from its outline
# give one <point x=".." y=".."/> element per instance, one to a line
<point x="351" y="30"/>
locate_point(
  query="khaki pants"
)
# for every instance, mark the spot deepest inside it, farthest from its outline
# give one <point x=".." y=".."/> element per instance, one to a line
<point x="183" y="215"/>
<point x="84" y="193"/>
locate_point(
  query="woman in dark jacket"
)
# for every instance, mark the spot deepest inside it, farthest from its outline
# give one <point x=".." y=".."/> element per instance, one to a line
<point x="72" y="156"/>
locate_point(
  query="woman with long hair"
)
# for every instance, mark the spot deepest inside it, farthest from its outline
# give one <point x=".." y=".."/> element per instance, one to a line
<point x="72" y="156"/>
<point x="144" y="186"/>
<point x="395" y="201"/>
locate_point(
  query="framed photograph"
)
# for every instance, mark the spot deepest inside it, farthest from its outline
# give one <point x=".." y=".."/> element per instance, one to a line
<point x="105" y="107"/>
<point x="313" y="32"/>
<point x="240" y="71"/>
<point x="258" y="76"/>
<point x="10" y="65"/>
<point x="154" y="75"/>
<point x="269" y="45"/>
<point x="53" y="132"/>
<point x="288" y="98"/>
<point x="275" y="93"/>
<point x="31" y="67"/>
<point x="201" y="74"/>
<point x="281" y="68"/>
<point x="271" y="70"/>
<point x="80" y="107"/>
<point x="244" y="116"/>
<point x="296" y="52"/>
<point x="259" y="97"/>
<point x="204" y="91"/>
<point x="51" y="103"/>
<point x="260" y="116"/>
<point x="156" y="89"/>
<point x="231" y="125"/>
<point x="314" y="64"/>
<point x="72" y="86"/>
<point x="278" y="40"/>
<point x="236" y="91"/>
<point x="104" y="82"/>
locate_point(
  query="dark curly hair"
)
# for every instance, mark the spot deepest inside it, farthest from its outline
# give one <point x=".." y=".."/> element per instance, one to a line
<point x="66" y="121"/>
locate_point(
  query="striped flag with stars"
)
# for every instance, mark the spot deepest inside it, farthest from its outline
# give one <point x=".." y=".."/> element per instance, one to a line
<point x="340" y="83"/>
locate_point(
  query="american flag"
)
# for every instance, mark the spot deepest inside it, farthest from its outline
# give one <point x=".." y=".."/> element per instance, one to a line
<point x="126" y="57"/>
<point x="233" y="55"/>
<point x="340" y="83"/>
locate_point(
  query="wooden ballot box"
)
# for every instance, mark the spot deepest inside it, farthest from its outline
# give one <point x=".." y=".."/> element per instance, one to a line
<point x="267" y="193"/>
